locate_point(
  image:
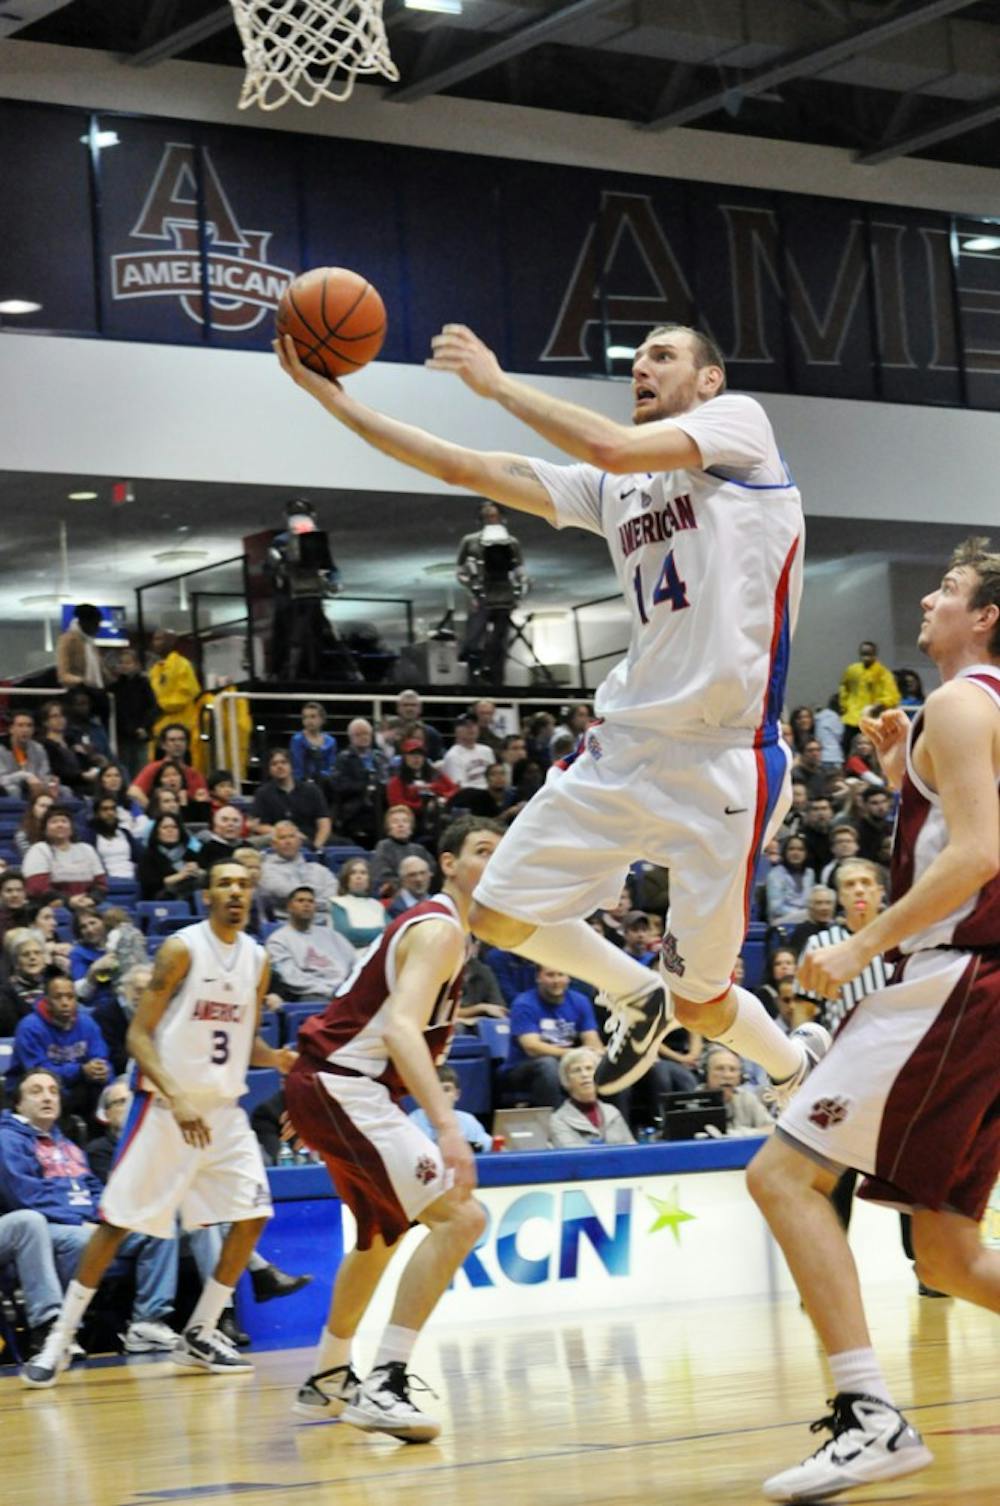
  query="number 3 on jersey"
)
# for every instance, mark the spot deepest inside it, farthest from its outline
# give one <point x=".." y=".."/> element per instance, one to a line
<point x="669" y="587"/>
<point x="220" y="1047"/>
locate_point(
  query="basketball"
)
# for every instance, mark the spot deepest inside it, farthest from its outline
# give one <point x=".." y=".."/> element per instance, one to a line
<point x="336" y="318"/>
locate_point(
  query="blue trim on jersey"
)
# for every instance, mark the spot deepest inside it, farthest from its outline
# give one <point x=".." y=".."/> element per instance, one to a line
<point x="140" y="1103"/>
<point x="779" y="673"/>
<point x="600" y="489"/>
<point x="775" y="765"/>
<point x="755" y="486"/>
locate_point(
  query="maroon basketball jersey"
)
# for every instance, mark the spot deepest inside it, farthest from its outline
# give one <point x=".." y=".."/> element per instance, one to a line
<point x="350" y="1033"/>
<point x="921" y="834"/>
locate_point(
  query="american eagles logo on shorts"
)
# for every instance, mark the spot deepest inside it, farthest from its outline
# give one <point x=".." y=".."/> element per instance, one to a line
<point x="425" y="1170"/>
<point x="670" y="957"/>
<point x="594" y="745"/>
<point x="828" y="1111"/>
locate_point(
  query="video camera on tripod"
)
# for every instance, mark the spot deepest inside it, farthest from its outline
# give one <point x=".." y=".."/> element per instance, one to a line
<point x="494" y="570"/>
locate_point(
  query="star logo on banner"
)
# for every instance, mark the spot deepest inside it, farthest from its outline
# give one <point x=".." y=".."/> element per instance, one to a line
<point x="669" y="1214"/>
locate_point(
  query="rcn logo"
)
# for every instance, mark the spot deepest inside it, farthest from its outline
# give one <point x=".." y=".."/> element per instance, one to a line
<point x="571" y="1221"/>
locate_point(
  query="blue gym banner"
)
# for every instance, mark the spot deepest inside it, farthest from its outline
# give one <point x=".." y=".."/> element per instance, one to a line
<point x="179" y="232"/>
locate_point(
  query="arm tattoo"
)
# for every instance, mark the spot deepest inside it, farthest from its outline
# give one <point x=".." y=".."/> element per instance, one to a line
<point x="521" y="468"/>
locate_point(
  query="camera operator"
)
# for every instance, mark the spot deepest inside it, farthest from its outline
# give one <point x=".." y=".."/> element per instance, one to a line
<point x="491" y="569"/>
<point x="304" y="643"/>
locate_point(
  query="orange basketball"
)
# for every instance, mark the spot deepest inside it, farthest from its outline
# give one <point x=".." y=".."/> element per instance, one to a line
<point x="336" y="319"/>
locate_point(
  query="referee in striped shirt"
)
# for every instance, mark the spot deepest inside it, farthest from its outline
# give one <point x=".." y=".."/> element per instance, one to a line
<point x="861" y="896"/>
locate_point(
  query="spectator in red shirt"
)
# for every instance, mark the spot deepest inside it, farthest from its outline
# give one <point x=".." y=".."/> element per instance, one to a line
<point x="418" y="784"/>
<point x="173" y="747"/>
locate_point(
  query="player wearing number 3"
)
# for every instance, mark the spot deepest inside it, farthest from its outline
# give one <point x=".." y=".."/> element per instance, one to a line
<point x="187" y="1146"/>
<point x="685" y="767"/>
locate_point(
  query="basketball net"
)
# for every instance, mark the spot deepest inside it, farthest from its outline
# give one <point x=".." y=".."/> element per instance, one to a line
<point x="309" y="49"/>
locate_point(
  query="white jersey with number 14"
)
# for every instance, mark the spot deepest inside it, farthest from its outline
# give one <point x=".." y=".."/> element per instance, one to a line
<point x="710" y="565"/>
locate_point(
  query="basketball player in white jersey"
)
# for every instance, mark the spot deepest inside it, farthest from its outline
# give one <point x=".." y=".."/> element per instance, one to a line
<point x="909" y="1092"/>
<point x="187" y="1146"/>
<point x="685" y="767"/>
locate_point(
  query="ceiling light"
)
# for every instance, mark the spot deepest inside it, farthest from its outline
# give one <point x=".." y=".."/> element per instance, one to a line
<point x="100" y="138"/>
<point x="982" y="243"/>
<point x="46" y="599"/>
<point x="442" y="7"/>
<point x="19" y="306"/>
<point x="81" y="496"/>
<point x="176" y="556"/>
<point x="620" y="352"/>
<point x="447" y="567"/>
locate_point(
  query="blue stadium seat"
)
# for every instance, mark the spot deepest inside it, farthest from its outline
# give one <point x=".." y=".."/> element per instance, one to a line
<point x="268" y="928"/>
<point x="13" y="805"/>
<point x="754" y="954"/>
<point x="496" y="1035"/>
<point x="123" y="891"/>
<point x="262" y="1082"/>
<point x="152" y="913"/>
<point x="337" y="854"/>
<point x="475" y="1082"/>
<point x="463" y="1046"/>
<point x="6" y="1052"/>
<point x="270" y="1027"/>
<point x="293" y="1014"/>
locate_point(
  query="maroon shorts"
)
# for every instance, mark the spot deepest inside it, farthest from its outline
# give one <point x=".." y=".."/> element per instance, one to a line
<point x="385" y="1169"/>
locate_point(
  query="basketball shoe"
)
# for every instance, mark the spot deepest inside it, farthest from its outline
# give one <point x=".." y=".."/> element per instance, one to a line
<point x="326" y="1394"/>
<point x="871" y="1441"/>
<point x="197" y="1349"/>
<point x="45" y="1368"/>
<point x="144" y="1338"/>
<point x="383" y="1405"/>
<point x="816" y="1042"/>
<point x="635" y="1026"/>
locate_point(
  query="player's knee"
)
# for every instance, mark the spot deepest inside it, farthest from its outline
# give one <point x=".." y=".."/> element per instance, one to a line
<point x="496" y="929"/>
<point x="764" y="1182"/>
<point x="938" y="1260"/>
<point x="470" y="1222"/>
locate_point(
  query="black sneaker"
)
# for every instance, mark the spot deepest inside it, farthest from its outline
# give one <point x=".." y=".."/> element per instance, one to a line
<point x="326" y="1394"/>
<point x="269" y="1282"/>
<point x="197" y="1349"/>
<point x="231" y="1330"/>
<point x="383" y="1405"/>
<point x="871" y="1441"/>
<point x="635" y="1027"/>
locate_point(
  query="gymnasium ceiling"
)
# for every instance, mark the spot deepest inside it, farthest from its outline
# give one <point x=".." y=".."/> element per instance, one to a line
<point x="879" y="78"/>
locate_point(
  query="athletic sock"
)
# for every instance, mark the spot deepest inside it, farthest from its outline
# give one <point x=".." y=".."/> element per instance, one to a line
<point x="75" y="1303"/>
<point x="754" y="1034"/>
<point x="257" y="1262"/>
<point x="331" y="1352"/>
<point x="214" y="1300"/>
<point x="858" y="1370"/>
<point x="574" y="947"/>
<point x="397" y="1344"/>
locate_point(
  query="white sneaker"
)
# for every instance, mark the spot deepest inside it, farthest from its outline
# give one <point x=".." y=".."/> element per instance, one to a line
<point x="383" y="1405"/>
<point x="871" y="1441"/>
<point x="198" y="1350"/>
<point x="326" y="1394"/>
<point x="45" y="1368"/>
<point x="815" y="1042"/>
<point x="145" y="1337"/>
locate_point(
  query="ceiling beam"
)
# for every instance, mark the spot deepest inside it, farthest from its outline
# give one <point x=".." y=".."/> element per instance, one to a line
<point x="807" y="61"/>
<point x="498" y="52"/>
<point x="959" y="125"/>
<point x="177" y="42"/>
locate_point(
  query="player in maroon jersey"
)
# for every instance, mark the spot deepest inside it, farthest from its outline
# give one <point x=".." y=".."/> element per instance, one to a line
<point x="381" y="1037"/>
<point x="909" y="1093"/>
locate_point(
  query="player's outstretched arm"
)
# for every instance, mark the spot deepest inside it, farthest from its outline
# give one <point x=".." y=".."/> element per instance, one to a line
<point x="509" y="479"/>
<point x="427" y="958"/>
<point x="588" y="436"/>
<point x="170" y="968"/>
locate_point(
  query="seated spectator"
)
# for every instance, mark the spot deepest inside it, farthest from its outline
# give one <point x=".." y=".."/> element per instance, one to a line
<point x="312" y="751"/>
<point x="163" y="802"/>
<point x="168" y="864"/>
<point x="578" y="719"/>
<point x="44" y="924"/>
<point x="789" y="884"/>
<point x="74" y="770"/>
<point x="172" y="776"/>
<point x="85" y="732"/>
<point x="312" y="960"/>
<point x="470" y="1126"/>
<point x="284" y="869"/>
<point x="862" y="763"/>
<point x="795" y="817"/>
<point x="512" y="750"/>
<point x="221" y="790"/>
<point x="409" y="709"/>
<point x="136" y="710"/>
<point x="173" y="747"/>
<point x="875" y="825"/>
<point x="816" y="831"/>
<point x="420" y="787"/>
<point x="354" y="912"/>
<point x="821" y="907"/>
<point x="467" y="760"/>
<point x="96" y="970"/>
<point x="545" y="1023"/>
<point x="14" y="905"/>
<point x="111" y="781"/>
<point x="42" y="1170"/>
<point x="226" y="835"/>
<point x="56" y="865"/>
<point x="396" y="845"/>
<point x="582" y="1119"/>
<point x="110" y="1115"/>
<point x="911" y="689"/>
<point x="745" y="1114"/>
<point x="485" y="713"/>
<point x="279" y="798"/>
<point x="24" y="763"/>
<point x="24" y="989"/>
<point x="30" y="830"/>
<point x="830" y="731"/>
<point x="781" y="964"/>
<point x="803" y="725"/>
<point x="414" y="885"/>
<point x="253" y="862"/>
<point x="114" y="845"/>
<point x="481" y="994"/>
<point x="67" y="1043"/>
<point x="637" y="937"/>
<point x="490" y="801"/>
<point x="26" y="1248"/>
<point x="539" y="732"/>
<point x="843" y="845"/>
<point x="358" y="782"/>
<point x="527" y="777"/>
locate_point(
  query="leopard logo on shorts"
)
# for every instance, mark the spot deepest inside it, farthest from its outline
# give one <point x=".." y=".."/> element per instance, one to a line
<point x="670" y="956"/>
<point x="425" y="1170"/>
<point x="828" y="1111"/>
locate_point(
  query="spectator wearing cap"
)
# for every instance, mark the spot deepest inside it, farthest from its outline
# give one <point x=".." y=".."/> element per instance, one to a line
<point x="312" y="960"/>
<point x="637" y="937"/>
<point x="467" y="760"/>
<point x="419" y="785"/>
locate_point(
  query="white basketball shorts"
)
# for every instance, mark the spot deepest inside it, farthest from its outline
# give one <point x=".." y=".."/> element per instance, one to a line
<point x="157" y="1174"/>
<point x="701" y="809"/>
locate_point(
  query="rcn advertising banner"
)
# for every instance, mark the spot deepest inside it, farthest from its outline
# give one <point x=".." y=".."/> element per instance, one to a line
<point x="183" y="232"/>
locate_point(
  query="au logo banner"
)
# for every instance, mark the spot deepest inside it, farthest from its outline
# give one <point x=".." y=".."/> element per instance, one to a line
<point x="243" y="285"/>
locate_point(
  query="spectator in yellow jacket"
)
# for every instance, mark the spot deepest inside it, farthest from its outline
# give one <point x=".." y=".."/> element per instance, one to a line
<point x="863" y="684"/>
<point x="175" y="685"/>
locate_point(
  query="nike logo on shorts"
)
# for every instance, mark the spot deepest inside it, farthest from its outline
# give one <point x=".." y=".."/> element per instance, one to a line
<point x="736" y="810"/>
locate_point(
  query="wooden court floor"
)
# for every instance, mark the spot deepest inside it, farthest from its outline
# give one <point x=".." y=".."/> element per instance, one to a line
<point x="688" y="1405"/>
